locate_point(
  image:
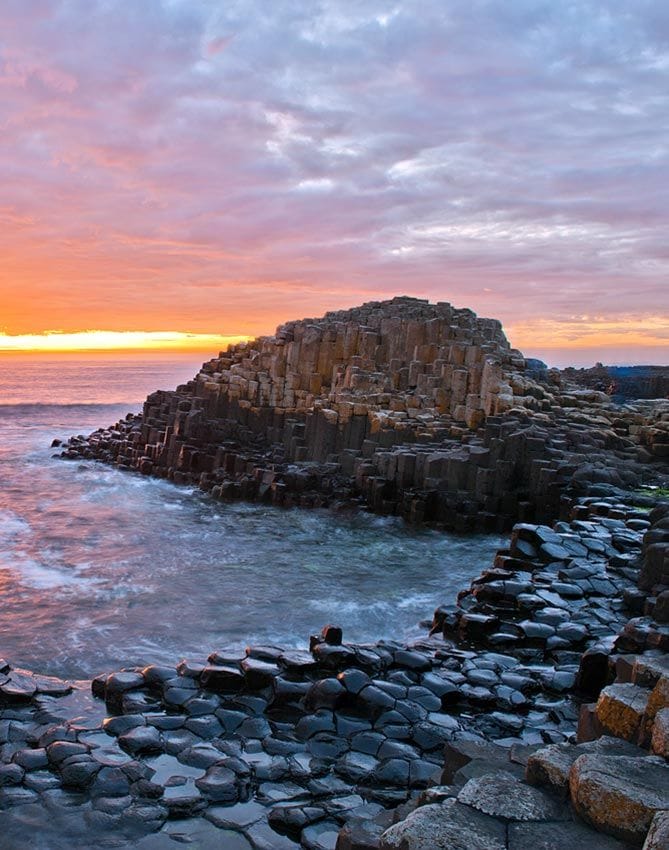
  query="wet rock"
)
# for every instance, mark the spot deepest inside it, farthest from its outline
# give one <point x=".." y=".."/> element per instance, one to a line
<point x="183" y="801"/>
<point x="325" y="693"/>
<point x="332" y="635"/>
<point x="124" y="723"/>
<point x="34" y="759"/>
<point x="354" y="680"/>
<point x="18" y="687"/>
<point x="141" y="739"/>
<point x="259" y="674"/>
<point x="11" y="774"/>
<point x="360" y="835"/>
<point x="320" y="836"/>
<point x="59" y="751"/>
<point x="218" y="784"/>
<point x="78" y="774"/>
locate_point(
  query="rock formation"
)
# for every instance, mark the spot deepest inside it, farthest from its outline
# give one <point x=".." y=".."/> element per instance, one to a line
<point x="417" y="409"/>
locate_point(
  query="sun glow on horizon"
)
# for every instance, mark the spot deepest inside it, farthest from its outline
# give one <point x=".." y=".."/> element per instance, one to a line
<point x="56" y="342"/>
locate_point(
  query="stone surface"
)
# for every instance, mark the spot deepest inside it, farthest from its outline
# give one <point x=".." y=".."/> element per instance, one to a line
<point x="445" y="826"/>
<point x="619" y="796"/>
<point x="559" y="836"/>
<point x="660" y="736"/>
<point x="658" y="834"/>
<point x="621" y="709"/>
<point x="501" y="795"/>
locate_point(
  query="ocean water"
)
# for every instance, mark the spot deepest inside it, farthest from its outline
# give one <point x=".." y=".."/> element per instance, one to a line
<point x="101" y="568"/>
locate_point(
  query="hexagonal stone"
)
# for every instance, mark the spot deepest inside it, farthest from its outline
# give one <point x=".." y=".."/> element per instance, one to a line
<point x="219" y="784"/>
<point x="445" y="826"/>
<point x="620" y="796"/>
<point x="354" y="680"/>
<point x="412" y="660"/>
<point x="324" y="694"/>
<point x="61" y="750"/>
<point x="550" y="766"/>
<point x="621" y="709"/>
<point x="30" y="759"/>
<point x="18" y="687"/>
<point x="142" y="739"/>
<point x="259" y="674"/>
<point x="501" y="795"/>
<point x="222" y="679"/>
<point x="11" y="774"/>
<point x="356" y="766"/>
<point x="79" y="774"/>
<point x="124" y="681"/>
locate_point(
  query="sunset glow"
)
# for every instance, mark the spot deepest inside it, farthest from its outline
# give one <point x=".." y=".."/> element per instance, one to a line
<point x="85" y="341"/>
<point x="217" y="169"/>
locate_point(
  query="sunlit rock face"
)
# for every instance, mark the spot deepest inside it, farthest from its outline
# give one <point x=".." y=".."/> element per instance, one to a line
<point x="419" y="409"/>
<point x="404" y="363"/>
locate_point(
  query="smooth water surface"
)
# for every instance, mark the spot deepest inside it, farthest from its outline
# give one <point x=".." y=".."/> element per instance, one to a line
<point x="101" y="568"/>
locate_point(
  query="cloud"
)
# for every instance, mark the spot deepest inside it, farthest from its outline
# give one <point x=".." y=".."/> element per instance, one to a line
<point x="221" y="167"/>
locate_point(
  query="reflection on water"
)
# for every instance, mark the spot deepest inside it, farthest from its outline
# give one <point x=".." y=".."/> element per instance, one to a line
<point x="100" y="569"/>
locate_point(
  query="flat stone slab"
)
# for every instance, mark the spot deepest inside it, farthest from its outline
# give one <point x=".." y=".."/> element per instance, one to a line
<point x="558" y="836"/>
<point x="445" y="826"/>
<point x="549" y="767"/>
<point x="501" y="795"/>
<point x="620" y="796"/>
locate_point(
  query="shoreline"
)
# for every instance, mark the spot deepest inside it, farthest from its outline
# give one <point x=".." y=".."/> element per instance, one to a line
<point x="296" y="729"/>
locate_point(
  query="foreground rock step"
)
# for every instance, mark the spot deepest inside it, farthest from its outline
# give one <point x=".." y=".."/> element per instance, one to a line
<point x="418" y="409"/>
<point x="484" y="803"/>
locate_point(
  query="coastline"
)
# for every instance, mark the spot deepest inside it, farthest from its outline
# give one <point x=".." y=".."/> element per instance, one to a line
<point x="344" y="733"/>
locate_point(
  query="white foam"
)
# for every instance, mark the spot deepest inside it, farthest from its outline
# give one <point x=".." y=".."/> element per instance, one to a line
<point x="12" y="525"/>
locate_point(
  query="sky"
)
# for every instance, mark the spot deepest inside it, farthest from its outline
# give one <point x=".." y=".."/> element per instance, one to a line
<point x="183" y="172"/>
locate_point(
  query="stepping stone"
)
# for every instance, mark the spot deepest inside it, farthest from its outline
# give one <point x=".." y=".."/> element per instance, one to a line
<point x="621" y="708"/>
<point x="549" y="766"/>
<point x="501" y="795"/>
<point x="620" y="796"/>
<point x="445" y="826"/>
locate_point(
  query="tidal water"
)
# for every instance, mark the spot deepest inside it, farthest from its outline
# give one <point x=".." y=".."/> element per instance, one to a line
<point x="101" y="568"/>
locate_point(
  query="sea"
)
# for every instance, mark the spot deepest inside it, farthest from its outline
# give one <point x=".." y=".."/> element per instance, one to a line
<point x="101" y="568"/>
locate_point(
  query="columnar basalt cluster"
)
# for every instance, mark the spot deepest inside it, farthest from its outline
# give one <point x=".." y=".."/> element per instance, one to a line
<point x="416" y="409"/>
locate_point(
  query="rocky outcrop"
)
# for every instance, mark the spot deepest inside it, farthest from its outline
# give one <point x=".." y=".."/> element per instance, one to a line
<point x="628" y="382"/>
<point x="417" y="409"/>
